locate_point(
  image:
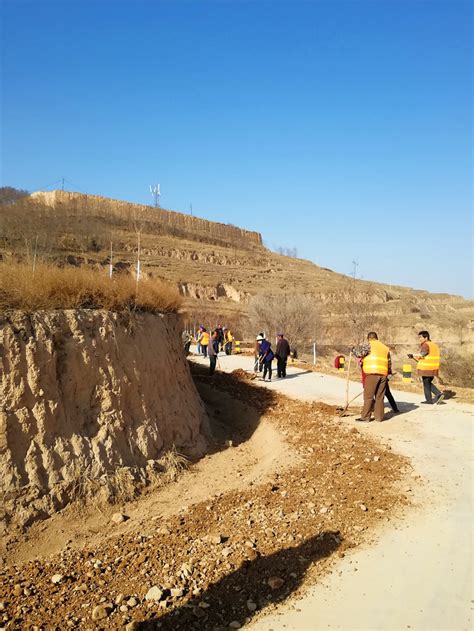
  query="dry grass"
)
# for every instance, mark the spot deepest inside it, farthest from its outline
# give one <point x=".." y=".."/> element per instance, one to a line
<point x="51" y="287"/>
<point x="173" y="464"/>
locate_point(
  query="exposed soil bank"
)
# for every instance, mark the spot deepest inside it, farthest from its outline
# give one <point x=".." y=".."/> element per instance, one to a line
<point x="86" y="394"/>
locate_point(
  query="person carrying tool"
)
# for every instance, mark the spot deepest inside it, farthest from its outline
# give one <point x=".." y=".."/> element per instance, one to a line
<point x="257" y="367"/>
<point x="376" y="365"/>
<point x="428" y="367"/>
<point x="266" y="357"/>
<point x="282" y="352"/>
<point x="388" y="393"/>
<point x="213" y="351"/>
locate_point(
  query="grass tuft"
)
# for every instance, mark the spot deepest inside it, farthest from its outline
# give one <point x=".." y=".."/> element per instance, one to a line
<point x="51" y="287"/>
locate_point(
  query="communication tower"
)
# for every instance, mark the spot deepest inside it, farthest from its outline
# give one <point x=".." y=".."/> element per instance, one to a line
<point x="155" y="191"/>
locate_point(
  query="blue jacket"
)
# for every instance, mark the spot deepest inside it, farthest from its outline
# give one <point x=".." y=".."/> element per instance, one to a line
<point x="266" y="353"/>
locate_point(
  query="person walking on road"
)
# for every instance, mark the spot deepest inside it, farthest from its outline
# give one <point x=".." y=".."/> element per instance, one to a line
<point x="266" y="358"/>
<point x="282" y="352"/>
<point x="376" y="366"/>
<point x="213" y="351"/>
<point x="428" y="367"/>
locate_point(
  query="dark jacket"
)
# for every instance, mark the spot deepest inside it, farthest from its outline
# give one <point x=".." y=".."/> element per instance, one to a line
<point x="282" y="349"/>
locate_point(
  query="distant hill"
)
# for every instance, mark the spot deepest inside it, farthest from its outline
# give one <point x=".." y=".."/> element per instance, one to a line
<point x="219" y="268"/>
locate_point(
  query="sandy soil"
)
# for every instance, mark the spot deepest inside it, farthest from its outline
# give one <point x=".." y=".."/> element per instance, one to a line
<point x="418" y="574"/>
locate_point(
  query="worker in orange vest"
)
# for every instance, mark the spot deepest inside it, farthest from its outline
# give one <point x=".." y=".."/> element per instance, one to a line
<point x="376" y="366"/>
<point x="428" y="362"/>
<point x="203" y="340"/>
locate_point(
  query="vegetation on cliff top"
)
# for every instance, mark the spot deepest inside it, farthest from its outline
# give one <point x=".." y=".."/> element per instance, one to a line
<point x="51" y="287"/>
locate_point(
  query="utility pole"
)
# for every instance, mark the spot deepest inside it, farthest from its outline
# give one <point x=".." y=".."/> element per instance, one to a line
<point x="191" y="209"/>
<point x="355" y="265"/>
<point x="62" y="187"/>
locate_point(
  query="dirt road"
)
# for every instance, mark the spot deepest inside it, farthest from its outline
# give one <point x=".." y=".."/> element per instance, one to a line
<point x="419" y="574"/>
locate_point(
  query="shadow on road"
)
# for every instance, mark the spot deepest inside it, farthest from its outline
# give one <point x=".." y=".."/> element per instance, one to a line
<point x="234" y="406"/>
<point x="251" y="587"/>
<point x="403" y="408"/>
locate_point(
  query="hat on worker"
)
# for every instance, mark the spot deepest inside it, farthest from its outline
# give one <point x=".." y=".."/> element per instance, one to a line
<point x="260" y="337"/>
<point x="280" y="334"/>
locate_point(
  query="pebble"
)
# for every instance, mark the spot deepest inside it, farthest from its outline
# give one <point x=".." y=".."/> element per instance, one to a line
<point x="275" y="582"/>
<point x="235" y="624"/>
<point x="100" y="612"/>
<point x="363" y="507"/>
<point x="132" y="602"/>
<point x="226" y="552"/>
<point x="154" y="593"/>
<point x="118" y="518"/>
<point x="56" y="578"/>
<point x="251" y="606"/>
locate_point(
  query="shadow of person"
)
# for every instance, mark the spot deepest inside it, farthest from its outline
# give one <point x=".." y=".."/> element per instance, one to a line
<point x="251" y="587"/>
<point x="403" y="408"/>
<point x="449" y="394"/>
<point x="295" y="374"/>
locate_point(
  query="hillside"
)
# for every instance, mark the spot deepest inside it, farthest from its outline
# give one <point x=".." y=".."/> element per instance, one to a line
<point x="218" y="268"/>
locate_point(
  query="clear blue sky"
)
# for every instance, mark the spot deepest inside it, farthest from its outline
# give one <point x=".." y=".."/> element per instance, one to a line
<point x="343" y="129"/>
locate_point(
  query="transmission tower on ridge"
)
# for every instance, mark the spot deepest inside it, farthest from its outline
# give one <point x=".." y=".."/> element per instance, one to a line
<point x="155" y="191"/>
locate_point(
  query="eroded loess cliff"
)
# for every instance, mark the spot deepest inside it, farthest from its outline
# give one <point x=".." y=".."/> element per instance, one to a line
<point x="85" y="394"/>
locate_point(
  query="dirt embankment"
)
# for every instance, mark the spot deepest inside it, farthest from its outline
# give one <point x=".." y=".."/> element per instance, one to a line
<point x="89" y="396"/>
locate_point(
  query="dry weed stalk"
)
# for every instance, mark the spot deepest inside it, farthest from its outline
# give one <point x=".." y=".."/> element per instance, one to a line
<point x="173" y="464"/>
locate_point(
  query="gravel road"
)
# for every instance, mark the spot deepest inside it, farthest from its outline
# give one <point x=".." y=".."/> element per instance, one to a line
<point x="419" y="575"/>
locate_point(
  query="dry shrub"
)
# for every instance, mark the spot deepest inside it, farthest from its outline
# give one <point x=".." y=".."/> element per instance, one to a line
<point x="50" y="287"/>
<point x="173" y="464"/>
<point x="456" y="368"/>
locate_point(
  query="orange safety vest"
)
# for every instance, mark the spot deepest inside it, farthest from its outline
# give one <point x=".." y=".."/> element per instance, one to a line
<point x="204" y="339"/>
<point x="376" y="363"/>
<point x="430" y="361"/>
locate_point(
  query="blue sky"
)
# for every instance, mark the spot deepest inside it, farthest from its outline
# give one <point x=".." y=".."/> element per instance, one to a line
<point x="343" y="129"/>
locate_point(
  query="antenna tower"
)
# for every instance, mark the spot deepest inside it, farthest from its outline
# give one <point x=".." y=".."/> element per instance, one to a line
<point x="155" y="191"/>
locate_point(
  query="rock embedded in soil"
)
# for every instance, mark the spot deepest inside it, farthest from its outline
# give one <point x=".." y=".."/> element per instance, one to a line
<point x="118" y="518"/>
<point x="275" y="582"/>
<point x="100" y="612"/>
<point x="154" y="593"/>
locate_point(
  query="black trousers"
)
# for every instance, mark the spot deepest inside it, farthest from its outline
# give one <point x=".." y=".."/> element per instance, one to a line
<point x="267" y="367"/>
<point x="430" y="389"/>
<point x="204" y="349"/>
<point x="281" y="366"/>
<point x="212" y="364"/>
<point x="390" y="398"/>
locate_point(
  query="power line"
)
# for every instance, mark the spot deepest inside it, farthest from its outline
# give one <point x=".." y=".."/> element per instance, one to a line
<point x="40" y="188"/>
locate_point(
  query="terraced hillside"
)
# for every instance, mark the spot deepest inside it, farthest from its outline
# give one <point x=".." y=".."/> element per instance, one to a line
<point x="219" y="268"/>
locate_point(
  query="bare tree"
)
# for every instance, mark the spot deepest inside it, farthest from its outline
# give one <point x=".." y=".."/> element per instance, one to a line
<point x="297" y="316"/>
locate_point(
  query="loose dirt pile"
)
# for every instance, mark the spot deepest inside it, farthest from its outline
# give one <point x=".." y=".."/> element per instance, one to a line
<point x="222" y="560"/>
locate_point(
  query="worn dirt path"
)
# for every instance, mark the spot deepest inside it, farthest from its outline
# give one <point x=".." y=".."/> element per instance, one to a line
<point x="420" y="573"/>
